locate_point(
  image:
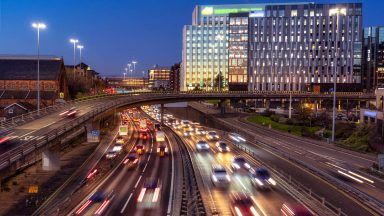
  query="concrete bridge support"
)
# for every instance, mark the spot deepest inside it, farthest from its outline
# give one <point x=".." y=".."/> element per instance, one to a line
<point x="222" y="106"/>
<point x="50" y="160"/>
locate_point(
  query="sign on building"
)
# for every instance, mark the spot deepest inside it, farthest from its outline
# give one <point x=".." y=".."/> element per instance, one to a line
<point x="93" y="136"/>
<point x="380" y="159"/>
<point x="33" y="189"/>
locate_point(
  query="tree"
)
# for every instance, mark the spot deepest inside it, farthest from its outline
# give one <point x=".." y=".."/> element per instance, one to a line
<point x="219" y="79"/>
<point x="197" y="88"/>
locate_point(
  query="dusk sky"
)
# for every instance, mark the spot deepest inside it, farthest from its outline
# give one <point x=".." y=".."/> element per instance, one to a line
<point x="115" y="32"/>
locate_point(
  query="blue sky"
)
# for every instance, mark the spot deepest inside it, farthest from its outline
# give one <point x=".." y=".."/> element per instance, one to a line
<point x="115" y="32"/>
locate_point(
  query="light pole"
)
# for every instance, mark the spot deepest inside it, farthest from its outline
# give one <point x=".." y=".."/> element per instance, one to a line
<point x="129" y="68"/>
<point x="337" y="12"/>
<point x="38" y="26"/>
<point x="80" y="47"/>
<point x="134" y="65"/>
<point x="74" y="41"/>
<point x="220" y="38"/>
<point x="290" y="96"/>
<point x="126" y="70"/>
<point x="213" y="64"/>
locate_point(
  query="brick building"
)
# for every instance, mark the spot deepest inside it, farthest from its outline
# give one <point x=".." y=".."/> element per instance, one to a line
<point x="18" y="80"/>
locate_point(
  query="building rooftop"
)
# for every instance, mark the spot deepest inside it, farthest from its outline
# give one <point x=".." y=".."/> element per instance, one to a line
<point x="25" y="67"/>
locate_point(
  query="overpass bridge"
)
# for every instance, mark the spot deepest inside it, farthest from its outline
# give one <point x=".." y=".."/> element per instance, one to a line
<point x="45" y="127"/>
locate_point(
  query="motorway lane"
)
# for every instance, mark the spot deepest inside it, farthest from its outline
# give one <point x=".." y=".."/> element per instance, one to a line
<point x="324" y="159"/>
<point x="36" y="129"/>
<point x="125" y="185"/>
<point x="267" y="202"/>
<point x="320" y="187"/>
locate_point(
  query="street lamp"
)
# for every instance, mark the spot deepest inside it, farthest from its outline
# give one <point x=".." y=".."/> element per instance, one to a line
<point x="134" y="65"/>
<point x="80" y="47"/>
<point x="126" y="70"/>
<point x="220" y="38"/>
<point x="74" y="41"/>
<point x="38" y="26"/>
<point x="129" y="68"/>
<point x="337" y="12"/>
<point x="213" y="63"/>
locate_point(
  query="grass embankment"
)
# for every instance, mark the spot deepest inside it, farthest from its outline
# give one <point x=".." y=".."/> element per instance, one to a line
<point x="293" y="129"/>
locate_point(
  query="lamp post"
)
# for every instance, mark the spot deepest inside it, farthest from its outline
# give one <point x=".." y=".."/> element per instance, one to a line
<point x="134" y="66"/>
<point x="126" y="70"/>
<point x="213" y="64"/>
<point x="290" y="96"/>
<point x="38" y="26"/>
<point x="220" y="38"/>
<point x="80" y="47"/>
<point x="337" y="12"/>
<point x="74" y="41"/>
<point x="129" y="68"/>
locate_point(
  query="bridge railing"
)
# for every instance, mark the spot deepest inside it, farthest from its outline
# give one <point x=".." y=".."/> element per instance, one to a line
<point x="25" y="118"/>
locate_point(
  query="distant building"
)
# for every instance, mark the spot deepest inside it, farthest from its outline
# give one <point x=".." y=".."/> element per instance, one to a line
<point x="18" y="80"/>
<point x="159" y="78"/>
<point x="82" y="80"/>
<point x="129" y="83"/>
<point x="174" y="84"/>
<point x="373" y="58"/>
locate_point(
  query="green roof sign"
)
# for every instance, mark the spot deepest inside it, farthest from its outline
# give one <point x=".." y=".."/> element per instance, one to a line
<point x="206" y="11"/>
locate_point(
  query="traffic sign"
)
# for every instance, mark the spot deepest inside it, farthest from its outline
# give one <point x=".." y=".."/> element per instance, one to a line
<point x="33" y="189"/>
<point x="380" y="158"/>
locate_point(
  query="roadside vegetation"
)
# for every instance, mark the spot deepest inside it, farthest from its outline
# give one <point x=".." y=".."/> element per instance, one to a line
<point x="350" y="135"/>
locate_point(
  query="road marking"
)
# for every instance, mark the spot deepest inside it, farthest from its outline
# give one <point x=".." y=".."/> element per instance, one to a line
<point x="172" y="178"/>
<point x="126" y="203"/>
<point x="137" y="183"/>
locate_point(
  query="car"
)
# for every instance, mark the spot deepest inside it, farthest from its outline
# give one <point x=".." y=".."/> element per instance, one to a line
<point x="111" y="155"/>
<point x="144" y="135"/>
<point x="187" y="133"/>
<point x="150" y="194"/>
<point x="236" y="137"/>
<point x="140" y="149"/>
<point x="239" y="163"/>
<point x="162" y="149"/>
<point x="202" y="145"/>
<point x="241" y="204"/>
<point x="71" y="112"/>
<point x="295" y="209"/>
<point x="117" y="148"/>
<point x="185" y="123"/>
<point x="132" y="159"/>
<point x="222" y="146"/>
<point x="261" y="178"/>
<point x="212" y="136"/>
<point x="120" y="140"/>
<point x="200" y="131"/>
<point x="220" y="177"/>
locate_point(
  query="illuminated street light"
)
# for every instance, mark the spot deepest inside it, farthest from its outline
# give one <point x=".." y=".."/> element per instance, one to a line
<point x="337" y="12"/>
<point x="129" y="68"/>
<point x="80" y="47"/>
<point x="74" y="41"/>
<point x="134" y="66"/>
<point x="38" y="26"/>
<point x="220" y="38"/>
<point x="126" y="70"/>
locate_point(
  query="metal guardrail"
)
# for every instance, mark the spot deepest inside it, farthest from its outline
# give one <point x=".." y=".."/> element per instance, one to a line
<point x="373" y="203"/>
<point x="315" y="202"/>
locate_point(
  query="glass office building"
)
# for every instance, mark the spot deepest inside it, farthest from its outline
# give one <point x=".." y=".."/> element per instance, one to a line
<point x="272" y="46"/>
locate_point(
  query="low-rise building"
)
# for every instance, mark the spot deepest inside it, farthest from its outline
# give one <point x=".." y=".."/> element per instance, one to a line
<point x="128" y="83"/>
<point x="18" y="80"/>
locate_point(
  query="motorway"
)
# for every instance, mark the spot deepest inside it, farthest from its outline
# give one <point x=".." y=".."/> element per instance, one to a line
<point x="119" y="192"/>
<point x="268" y="202"/>
<point x="310" y="153"/>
